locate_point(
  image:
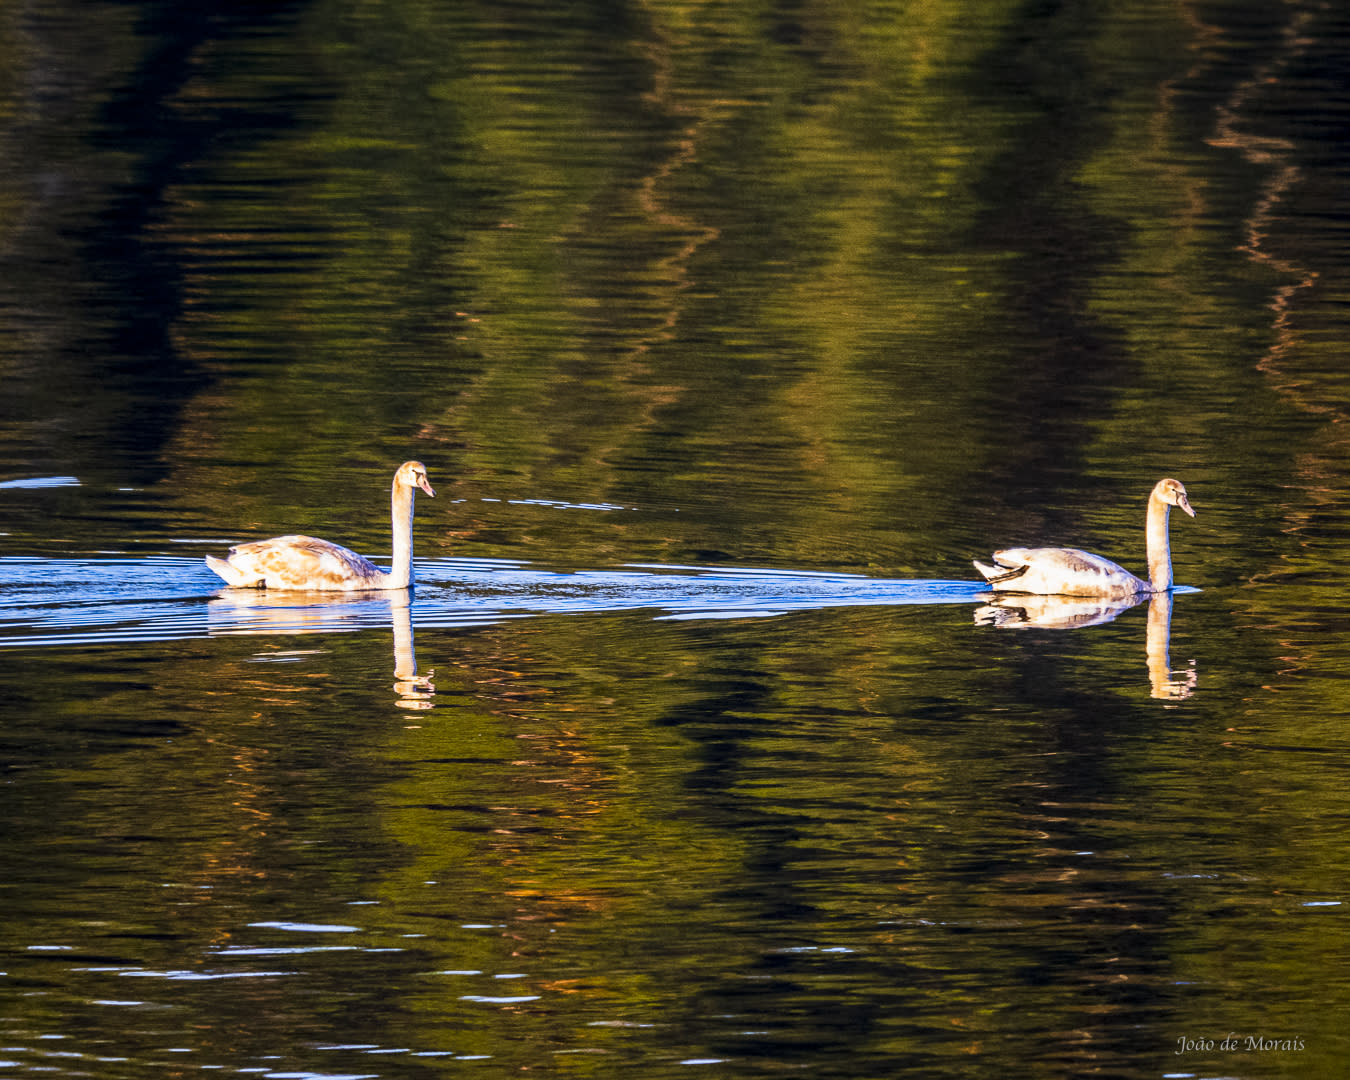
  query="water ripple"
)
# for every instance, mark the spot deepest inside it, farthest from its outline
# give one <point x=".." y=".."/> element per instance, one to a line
<point x="117" y="598"/>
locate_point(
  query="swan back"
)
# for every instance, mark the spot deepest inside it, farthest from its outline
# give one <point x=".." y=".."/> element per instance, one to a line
<point x="1059" y="572"/>
<point x="298" y="562"/>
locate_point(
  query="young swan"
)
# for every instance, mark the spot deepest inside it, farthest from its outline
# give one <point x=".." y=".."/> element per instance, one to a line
<point x="1071" y="572"/>
<point x="302" y="562"/>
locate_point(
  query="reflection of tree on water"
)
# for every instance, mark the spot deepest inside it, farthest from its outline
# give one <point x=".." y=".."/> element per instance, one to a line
<point x="1022" y="611"/>
<point x="257" y="611"/>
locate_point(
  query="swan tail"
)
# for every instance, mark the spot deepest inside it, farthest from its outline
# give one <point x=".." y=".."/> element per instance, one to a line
<point x="232" y="574"/>
<point x="997" y="574"/>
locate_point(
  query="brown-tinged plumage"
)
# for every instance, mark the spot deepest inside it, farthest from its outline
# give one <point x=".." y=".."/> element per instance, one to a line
<point x="304" y="563"/>
<point x="1071" y="572"/>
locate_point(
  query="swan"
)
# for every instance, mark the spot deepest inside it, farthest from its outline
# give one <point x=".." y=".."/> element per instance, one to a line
<point x="302" y="562"/>
<point x="1071" y="572"/>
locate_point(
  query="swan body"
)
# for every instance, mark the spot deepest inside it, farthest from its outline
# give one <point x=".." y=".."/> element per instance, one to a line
<point x="1072" y="572"/>
<point x="304" y="563"/>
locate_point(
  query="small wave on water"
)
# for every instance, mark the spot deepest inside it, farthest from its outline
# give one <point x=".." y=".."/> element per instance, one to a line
<point x="37" y="482"/>
<point x="118" y="598"/>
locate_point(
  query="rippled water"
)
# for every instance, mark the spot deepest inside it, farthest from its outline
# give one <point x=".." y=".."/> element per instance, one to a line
<point x="96" y="601"/>
<point x="729" y="339"/>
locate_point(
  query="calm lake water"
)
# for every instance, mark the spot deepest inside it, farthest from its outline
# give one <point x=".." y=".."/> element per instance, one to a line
<point x="729" y="337"/>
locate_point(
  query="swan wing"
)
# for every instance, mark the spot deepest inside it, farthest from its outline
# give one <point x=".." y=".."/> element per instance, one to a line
<point x="1060" y="572"/>
<point x="299" y="562"/>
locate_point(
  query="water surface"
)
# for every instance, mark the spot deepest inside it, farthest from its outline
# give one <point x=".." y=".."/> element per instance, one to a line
<point x="729" y="339"/>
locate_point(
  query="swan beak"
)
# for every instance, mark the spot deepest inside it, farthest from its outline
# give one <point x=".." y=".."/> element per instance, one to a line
<point x="425" y="486"/>
<point x="1185" y="504"/>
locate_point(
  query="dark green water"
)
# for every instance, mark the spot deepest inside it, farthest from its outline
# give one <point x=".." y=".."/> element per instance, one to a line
<point x="729" y="337"/>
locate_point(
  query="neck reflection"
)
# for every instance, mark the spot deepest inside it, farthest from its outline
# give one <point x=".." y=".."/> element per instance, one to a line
<point x="1028" y="611"/>
<point x="260" y="611"/>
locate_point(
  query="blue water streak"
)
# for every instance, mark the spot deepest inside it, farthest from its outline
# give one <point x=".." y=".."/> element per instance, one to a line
<point x="119" y="598"/>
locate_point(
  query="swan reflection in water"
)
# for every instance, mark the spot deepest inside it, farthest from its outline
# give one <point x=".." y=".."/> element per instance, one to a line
<point x="257" y="611"/>
<point x="1027" y="610"/>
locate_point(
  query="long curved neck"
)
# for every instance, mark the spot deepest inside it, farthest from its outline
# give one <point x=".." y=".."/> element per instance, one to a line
<point x="401" y="515"/>
<point x="1159" y="546"/>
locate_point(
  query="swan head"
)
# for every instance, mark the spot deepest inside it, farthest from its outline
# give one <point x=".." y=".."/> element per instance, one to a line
<point x="413" y="474"/>
<point x="1173" y="492"/>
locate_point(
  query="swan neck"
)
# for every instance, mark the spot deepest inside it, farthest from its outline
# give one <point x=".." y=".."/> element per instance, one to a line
<point x="1159" y="546"/>
<point x="401" y="515"/>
